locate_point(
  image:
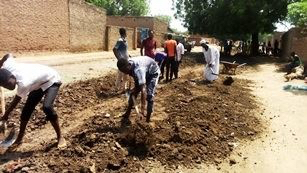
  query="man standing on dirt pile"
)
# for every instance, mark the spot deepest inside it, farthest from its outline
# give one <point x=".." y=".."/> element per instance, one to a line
<point x="34" y="81"/>
<point x="212" y="58"/>
<point x="150" y="45"/>
<point x="145" y="71"/>
<point x="120" y="50"/>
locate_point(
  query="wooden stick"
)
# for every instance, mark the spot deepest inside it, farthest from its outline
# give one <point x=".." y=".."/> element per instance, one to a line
<point x="2" y="101"/>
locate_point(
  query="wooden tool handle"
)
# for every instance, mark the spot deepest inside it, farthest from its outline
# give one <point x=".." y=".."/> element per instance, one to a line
<point x="2" y="101"/>
<point x="135" y="105"/>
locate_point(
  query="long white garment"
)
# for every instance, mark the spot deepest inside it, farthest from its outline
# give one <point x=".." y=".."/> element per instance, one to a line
<point x="180" y="51"/>
<point x="212" y="56"/>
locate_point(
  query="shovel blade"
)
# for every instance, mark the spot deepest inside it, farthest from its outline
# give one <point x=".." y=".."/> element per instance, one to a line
<point x="9" y="140"/>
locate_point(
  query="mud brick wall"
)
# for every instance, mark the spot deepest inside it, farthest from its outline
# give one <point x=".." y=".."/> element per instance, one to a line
<point x="87" y="26"/>
<point x="152" y="23"/>
<point x="295" y="40"/>
<point x="112" y="35"/>
<point x="34" y="25"/>
<point x="131" y="21"/>
<point x="159" y="26"/>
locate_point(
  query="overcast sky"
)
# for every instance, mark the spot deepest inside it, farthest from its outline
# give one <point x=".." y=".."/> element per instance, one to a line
<point x="164" y="7"/>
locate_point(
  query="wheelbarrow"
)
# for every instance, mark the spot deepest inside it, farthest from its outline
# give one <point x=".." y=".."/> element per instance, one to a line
<point x="230" y="68"/>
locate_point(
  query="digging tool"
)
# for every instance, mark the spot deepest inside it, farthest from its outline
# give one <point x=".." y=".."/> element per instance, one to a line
<point x="212" y="71"/>
<point x="2" y="123"/>
<point x="128" y="95"/>
<point x="2" y="101"/>
<point x="9" y="139"/>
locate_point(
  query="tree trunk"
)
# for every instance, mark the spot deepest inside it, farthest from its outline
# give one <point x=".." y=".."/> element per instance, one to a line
<point x="255" y="44"/>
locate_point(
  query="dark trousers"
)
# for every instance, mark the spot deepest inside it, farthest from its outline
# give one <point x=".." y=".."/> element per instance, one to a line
<point x="176" y="69"/>
<point x="170" y="64"/>
<point x="151" y="83"/>
<point x="35" y="97"/>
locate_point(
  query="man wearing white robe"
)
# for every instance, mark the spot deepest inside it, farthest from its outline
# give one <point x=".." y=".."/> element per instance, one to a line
<point x="212" y="58"/>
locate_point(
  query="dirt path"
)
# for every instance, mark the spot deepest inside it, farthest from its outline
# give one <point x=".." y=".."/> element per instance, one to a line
<point x="283" y="148"/>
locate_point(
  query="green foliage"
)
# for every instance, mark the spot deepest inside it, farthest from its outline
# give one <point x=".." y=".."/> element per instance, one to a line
<point x="123" y="7"/>
<point x="236" y="19"/>
<point x="164" y="18"/>
<point x="297" y="14"/>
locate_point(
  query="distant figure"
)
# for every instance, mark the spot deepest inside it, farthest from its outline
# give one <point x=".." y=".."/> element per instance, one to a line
<point x="179" y="56"/>
<point x="276" y="48"/>
<point x="120" y="50"/>
<point x="150" y="45"/>
<point x="295" y="69"/>
<point x="263" y="48"/>
<point x="229" y="47"/>
<point x="160" y="57"/>
<point x="295" y="61"/>
<point x="170" y="50"/>
<point x="212" y="58"/>
<point x="269" y="48"/>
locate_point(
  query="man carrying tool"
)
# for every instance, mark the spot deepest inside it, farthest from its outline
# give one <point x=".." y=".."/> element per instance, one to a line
<point x="145" y="72"/>
<point x="33" y="82"/>
<point x="212" y="58"/>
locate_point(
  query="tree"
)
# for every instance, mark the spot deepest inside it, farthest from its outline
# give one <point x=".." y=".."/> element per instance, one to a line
<point x="164" y="18"/>
<point x="297" y="14"/>
<point x="123" y="7"/>
<point x="236" y="19"/>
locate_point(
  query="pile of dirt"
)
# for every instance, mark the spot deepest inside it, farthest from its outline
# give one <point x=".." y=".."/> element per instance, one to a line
<point x="72" y="98"/>
<point x="203" y="125"/>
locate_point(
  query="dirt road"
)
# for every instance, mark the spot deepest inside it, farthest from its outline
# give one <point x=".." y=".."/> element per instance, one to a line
<point x="283" y="147"/>
<point x="280" y="148"/>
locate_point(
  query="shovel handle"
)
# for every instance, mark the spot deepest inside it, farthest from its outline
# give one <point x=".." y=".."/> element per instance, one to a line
<point x="135" y="106"/>
<point x="2" y="101"/>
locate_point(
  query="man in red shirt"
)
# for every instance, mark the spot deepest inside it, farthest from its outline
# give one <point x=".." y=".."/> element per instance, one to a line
<point x="170" y="49"/>
<point x="150" y="45"/>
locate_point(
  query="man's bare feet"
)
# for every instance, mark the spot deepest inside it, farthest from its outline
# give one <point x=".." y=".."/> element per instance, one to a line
<point x="62" y="143"/>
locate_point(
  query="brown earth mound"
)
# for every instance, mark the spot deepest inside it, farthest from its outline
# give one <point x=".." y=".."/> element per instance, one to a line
<point x="193" y="123"/>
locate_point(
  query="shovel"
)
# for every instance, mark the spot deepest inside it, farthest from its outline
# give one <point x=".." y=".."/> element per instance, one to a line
<point x="7" y="139"/>
<point x="128" y="95"/>
<point x="213" y="72"/>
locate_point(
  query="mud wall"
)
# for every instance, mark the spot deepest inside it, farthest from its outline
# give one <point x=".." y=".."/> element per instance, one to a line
<point x="87" y="26"/>
<point x="112" y="35"/>
<point x="34" y="25"/>
<point x="159" y="27"/>
<point x="295" y="40"/>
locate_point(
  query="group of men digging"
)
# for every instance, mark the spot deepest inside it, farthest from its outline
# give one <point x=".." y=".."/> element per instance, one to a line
<point x="36" y="82"/>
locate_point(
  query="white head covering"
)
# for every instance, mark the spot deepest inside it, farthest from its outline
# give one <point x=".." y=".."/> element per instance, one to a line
<point x="203" y="41"/>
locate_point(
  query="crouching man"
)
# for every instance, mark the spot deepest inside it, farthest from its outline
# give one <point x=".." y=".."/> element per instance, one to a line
<point x="33" y="82"/>
<point x="145" y="72"/>
<point x="212" y="58"/>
